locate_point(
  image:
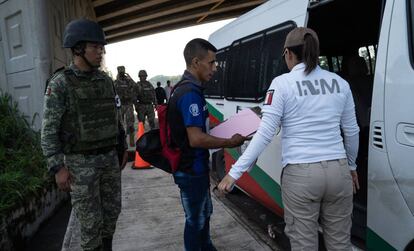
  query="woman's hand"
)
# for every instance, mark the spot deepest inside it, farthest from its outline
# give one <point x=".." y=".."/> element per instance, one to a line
<point x="355" y="182"/>
<point x="226" y="184"/>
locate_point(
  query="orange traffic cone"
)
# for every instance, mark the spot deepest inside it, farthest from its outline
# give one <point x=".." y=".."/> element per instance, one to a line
<point x="139" y="162"/>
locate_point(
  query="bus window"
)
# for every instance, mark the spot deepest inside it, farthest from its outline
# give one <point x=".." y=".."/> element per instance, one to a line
<point x="243" y="74"/>
<point x="368" y="53"/>
<point x="336" y="62"/>
<point x="215" y="87"/>
<point x="273" y="62"/>
<point x="323" y="62"/>
<point x="411" y="30"/>
<point x="253" y="63"/>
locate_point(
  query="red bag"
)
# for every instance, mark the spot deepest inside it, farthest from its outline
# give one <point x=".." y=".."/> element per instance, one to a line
<point x="155" y="146"/>
<point x="172" y="154"/>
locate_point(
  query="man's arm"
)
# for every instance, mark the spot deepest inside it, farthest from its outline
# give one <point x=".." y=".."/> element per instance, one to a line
<point x="137" y="90"/>
<point x="122" y="146"/>
<point x="191" y="106"/>
<point x="198" y="139"/>
<point x="53" y="110"/>
<point x="154" y="98"/>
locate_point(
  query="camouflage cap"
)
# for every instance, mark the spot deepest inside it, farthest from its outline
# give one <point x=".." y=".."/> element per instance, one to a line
<point x="142" y="73"/>
<point x="297" y="36"/>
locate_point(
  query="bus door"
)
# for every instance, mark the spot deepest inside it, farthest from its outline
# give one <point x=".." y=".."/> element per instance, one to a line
<point x="391" y="165"/>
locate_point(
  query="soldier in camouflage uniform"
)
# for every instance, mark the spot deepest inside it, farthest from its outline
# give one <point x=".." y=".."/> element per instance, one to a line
<point x="80" y="132"/>
<point x="125" y="88"/>
<point x="145" y="100"/>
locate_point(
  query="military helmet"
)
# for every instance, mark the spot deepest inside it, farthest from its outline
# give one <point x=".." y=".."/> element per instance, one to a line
<point x="82" y="30"/>
<point x="142" y="73"/>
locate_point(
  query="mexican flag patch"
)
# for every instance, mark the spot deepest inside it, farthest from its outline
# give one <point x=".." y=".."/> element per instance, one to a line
<point x="269" y="97"/>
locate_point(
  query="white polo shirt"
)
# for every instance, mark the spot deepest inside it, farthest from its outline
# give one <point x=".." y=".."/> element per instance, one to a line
<point x="311" y="110"/>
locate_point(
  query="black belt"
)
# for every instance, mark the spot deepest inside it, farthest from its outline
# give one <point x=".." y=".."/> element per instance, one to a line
<point x="97" y="151"/>
<point x="142" y="103"/>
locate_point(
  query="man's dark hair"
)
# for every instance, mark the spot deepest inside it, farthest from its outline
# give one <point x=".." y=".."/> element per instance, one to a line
<point x="79" y="48"/>
<point x="158" y="83"/>
<point x="197" y="47"/>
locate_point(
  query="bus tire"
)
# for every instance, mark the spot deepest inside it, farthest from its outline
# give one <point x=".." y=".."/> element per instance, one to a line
<point x="410" y="246"/>
<point x="219" y="165"/>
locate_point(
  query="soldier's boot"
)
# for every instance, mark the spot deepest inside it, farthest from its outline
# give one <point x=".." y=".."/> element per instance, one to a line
<point x="107" y="244"/>
<point x="131" y="140"/>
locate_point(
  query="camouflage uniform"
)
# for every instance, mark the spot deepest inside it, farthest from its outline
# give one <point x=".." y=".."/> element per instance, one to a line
<point x="79" y="130"/>
<point x="145" y="102"/>
<point x="125" y="88"/>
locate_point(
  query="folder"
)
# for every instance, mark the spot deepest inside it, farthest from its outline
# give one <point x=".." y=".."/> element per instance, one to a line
<point x="245" y="123"/>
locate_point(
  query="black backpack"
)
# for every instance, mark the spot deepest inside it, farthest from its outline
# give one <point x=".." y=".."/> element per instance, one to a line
<point x="158" y="146"/>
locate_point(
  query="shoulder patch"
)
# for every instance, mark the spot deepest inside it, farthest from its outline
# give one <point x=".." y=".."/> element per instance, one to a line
<point x="194" y="110"/>
<point x="269" y="97"/>
<point x="48" y="91"/>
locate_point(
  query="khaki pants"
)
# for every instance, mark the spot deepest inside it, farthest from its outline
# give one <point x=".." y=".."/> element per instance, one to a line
<point x="321" y="190"/>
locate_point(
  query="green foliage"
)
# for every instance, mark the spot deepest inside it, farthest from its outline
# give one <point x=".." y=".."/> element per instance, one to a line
<point x="22" y="165"/>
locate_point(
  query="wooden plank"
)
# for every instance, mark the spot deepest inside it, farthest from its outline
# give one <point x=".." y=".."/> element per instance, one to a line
<point x="161" y="13"/>
<point x="98" y="3"/>
<point x="131" y="9"/>
<point x="185" y="24"/>
<point x="212" y="8"/>
<point x="154" y="25"/>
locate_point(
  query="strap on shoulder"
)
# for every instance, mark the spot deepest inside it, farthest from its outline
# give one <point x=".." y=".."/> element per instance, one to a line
<point x="54" y="73"/>
<point x="71" y="76"/>
<point x="183" y="87"/>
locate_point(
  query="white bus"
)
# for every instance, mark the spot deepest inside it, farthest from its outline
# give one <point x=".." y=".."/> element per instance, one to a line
<point x="371" y="44"/>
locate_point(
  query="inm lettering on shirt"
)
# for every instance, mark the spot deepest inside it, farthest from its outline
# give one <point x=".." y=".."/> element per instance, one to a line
<point x="306" y="87"/>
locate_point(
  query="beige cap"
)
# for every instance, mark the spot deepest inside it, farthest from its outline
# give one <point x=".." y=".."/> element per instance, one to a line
<point x="296" y="37"/>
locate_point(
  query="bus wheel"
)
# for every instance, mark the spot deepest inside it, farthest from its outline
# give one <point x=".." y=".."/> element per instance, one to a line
<point x="410" y="246"/>
<point x="219" y="166"/>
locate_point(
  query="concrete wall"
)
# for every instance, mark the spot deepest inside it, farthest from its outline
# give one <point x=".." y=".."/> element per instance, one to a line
<point x="30" y="47"/>
<point x="23" y="223"/>
<point x="3" y="79"/>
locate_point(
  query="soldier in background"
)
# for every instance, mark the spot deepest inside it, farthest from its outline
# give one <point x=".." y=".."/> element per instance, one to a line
<point x="125" y="87"/>
<point x="160" y="94"/>
<point x="80" y="131"/>
<point x="145" y="100"/>
<point x="168" y="89"/>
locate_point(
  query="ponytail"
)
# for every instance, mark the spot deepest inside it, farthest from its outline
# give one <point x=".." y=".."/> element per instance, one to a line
<point x="310" y="53"/>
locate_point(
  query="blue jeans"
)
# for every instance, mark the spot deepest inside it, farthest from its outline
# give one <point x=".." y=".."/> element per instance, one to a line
<point x="196" y="201"/>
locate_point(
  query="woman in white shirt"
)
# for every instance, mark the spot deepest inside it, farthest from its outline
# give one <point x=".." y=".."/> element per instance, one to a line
<point x="311" y="106"/>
